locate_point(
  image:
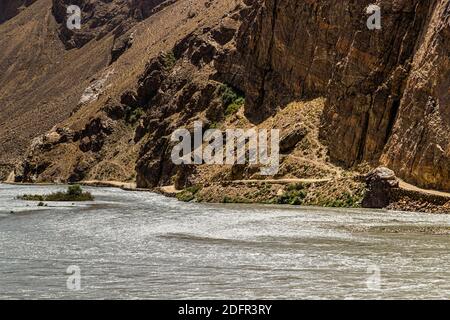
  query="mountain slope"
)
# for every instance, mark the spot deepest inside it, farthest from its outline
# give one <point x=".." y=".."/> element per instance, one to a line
<point x="97" y="140"/>
<point x="40" y="81"/>
<point x="379" y="96"/>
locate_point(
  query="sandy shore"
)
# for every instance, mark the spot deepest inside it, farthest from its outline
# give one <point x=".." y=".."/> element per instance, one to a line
<point x="115" y="184"/>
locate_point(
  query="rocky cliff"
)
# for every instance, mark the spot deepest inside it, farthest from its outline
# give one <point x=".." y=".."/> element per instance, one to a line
<point x="102" y="136"/>
<point x="387" y="90"/>
<point x="150" y="67"/>
<point x="419" y="147"/>
<point x="47" y="71"/>
<point x="100" y="18"/>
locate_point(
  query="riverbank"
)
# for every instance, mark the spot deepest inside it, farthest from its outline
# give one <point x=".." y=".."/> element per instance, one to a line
<point x="337" y="193"/>
<point x="332" y="193"/>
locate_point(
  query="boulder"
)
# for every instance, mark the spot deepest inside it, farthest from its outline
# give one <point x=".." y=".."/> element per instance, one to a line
<point x="380" y="183"/>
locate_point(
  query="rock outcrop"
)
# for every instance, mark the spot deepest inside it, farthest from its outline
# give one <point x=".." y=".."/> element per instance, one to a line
<point x="419" y="147"/>
<point x="380" y="183"/>
<point x="99" y="18"/>
<point x="387" y="90"/>
<point x="123" y="112"/>
<point x="177" y="88"/>
<point x="10" y="8"/>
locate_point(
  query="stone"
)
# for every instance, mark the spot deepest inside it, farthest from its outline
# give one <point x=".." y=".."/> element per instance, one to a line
<point x="380" y="183"/>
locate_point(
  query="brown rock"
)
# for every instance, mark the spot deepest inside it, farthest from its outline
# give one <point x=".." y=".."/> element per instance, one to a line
<point x="291" y="139"/>
<point x="387" y="90"/>
<point x="101" y="17"/>
<point x="419" y="148"/>
<point x="380" y="183"/>
<point x="10" y="8"/>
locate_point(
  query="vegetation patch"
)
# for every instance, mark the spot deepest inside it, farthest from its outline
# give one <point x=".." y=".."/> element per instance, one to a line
<point x="214" y="125"/>
<point x="261" y="193"/>
<point x="73" y="193"/>
<point x="346" y="200"/>
<point x="231" y="99"/>
<point x="295" y="194"/>
<point x="133" y="114"/>
<point x="188" y="194"/>
<point x="227" y="199"/>
<point x="169" y="61"/>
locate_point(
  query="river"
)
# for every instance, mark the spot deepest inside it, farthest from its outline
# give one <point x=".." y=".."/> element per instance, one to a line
<point x="139" y="245"/>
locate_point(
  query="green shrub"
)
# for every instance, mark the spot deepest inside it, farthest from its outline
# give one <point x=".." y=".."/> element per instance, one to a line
<point x="346" y="200"/>
<point x="169" y="60"/>
<point x="188" y="194"/>
<point x="235" y="106"/>
<point x="231" y="99"/>
<point x="185" y="196"/>
<point x="132" y="115"/>
<point x="228" y="200"/>
<point x="74" y="190"/>
<point x="73" y="193"/>
<point x="214" y="125"/>
<point x="194" y="189"/>
<point x="228" y="95"/>
<point x="294" y="195"/>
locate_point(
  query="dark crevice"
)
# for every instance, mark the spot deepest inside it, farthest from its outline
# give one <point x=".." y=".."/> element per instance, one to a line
<point x="268" y="70"/>
<point x="392" y="119"/>
<point x="362" y="143"/>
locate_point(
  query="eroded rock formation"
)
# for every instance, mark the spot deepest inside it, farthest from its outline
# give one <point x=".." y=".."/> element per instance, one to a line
<point x="419" y="148"/>
<point x="98" y="18"/>
<point x="380" y="183"/>
<point x="386" y="92"/>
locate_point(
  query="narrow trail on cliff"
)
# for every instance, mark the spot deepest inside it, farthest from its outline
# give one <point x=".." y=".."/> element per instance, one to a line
<point x="114" y="184"/>
<point x="282" y="181"/>
<point x="406" y="186"/>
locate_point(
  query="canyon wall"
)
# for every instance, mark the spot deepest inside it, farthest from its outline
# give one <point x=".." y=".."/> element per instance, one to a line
<point x="419" y="148"/>
<point x="46" y="68"/>
<point x="155" y="75"/>
<point x="386" y="90"/>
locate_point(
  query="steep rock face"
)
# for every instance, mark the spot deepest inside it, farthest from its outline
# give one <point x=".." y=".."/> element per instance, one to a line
<point x="10" y="8"/>
<point x="366" y="90"/>
<point x="386" y="91"/>
<point x="303" y="49"/>
<point x="127" y="109"/>
<point x="40" y="82"/>
<point x="179" y="88"/>
<point x="419" y="149"/>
